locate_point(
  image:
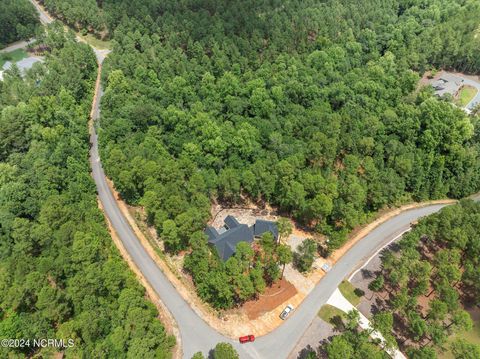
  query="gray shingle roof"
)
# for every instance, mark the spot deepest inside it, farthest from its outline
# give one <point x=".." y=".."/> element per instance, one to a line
<point x="226" y="242"/>
<point x="211" y="233"/>
<point x="231" y="222"/>
<point x="262" y="226"/>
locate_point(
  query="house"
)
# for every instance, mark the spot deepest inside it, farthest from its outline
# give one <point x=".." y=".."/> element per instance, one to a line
<point x="226" y="238"/>
<point x="23" y="65"/>
<point x="261" y="226"/>
<point x="447" y="84"/>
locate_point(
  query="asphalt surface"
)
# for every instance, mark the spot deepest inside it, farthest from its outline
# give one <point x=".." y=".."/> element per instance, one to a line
<point x="196" y="335"/>
<point x="15" y="46"/>
<point x="476" y="100"/>
<point x="44" y="17"/>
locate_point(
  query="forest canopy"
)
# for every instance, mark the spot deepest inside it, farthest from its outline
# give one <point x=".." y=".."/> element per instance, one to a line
<point x="61" y="276"/>
<point x="18" y="21"/>
<point x="309" y="106"/>
<point x="427" y="287"/>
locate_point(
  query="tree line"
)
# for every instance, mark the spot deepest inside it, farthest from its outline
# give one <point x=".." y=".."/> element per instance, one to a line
<point x="18" y="21"/>
<point x="439" y="260"/>
<point x="437" y="263"/>
<point x="309" y="106"/>
<point x="60" y="274"/>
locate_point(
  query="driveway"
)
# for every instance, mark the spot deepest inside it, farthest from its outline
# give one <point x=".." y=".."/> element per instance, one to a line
<point x="16" y="46"/>
<point x="476" y="100"/>
<point x="196" y="335"/>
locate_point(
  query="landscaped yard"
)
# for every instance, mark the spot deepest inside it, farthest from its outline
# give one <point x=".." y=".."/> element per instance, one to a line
<point x="466" y="94"/>
<point x="13" y="56"/>
<point x="327" y="312"/>
<point x="97" y="43"/>
<point x="472" y="336"/>
<point x="352" y="294"/>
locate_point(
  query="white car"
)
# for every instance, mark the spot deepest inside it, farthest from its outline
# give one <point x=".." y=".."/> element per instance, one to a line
<point x="286" y="312"/>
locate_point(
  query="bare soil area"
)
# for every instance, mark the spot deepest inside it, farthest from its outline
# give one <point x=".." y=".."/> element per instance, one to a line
<point x="278" y="293"/>
<point x="247" y="214"/>
<point x="267" y="309"/>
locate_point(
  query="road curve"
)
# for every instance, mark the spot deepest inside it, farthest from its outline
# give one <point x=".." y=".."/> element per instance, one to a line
<point x="476" y="100"/>
<point x="17" y="45"/>
<point x="196" y="335"/>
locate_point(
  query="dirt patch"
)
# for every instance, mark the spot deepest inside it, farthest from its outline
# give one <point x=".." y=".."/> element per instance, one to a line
<point x="247" y="214"/>
<point x="236" y="322"/>
<point x="275" y="295"/>
<point x="423" y="302"/>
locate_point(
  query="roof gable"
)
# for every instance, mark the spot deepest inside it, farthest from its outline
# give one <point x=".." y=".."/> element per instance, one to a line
<point x="231" y="222"/>
<point x="262" y="226"/>
<point x="226" y="242"/>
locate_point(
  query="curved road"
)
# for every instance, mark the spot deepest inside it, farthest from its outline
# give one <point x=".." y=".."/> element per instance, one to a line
<point x="196" y="335"/>
<point x="476" y="100"/>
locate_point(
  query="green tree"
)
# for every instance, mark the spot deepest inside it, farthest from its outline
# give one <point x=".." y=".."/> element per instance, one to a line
<point x="423" y="353"/>
<point x="285" y="229"/>
<point x="377" y="284"/>
<point x="461" y="349"/>
<point x="225" y="351"/>
<point x="170" y="236"/>
<point x="304" y="256"/>
<point x="340" y="348"/>
<point x="285" y="256"/>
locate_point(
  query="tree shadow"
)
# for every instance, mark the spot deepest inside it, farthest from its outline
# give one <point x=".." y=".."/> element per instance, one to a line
<point x="306" y="352"/>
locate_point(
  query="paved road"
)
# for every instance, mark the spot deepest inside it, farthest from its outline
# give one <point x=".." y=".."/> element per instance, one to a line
<point x="476" y="100"/>
<point x="44" y="17"/>
<point x="196" y="335"/>
<point x="15" y="46"/>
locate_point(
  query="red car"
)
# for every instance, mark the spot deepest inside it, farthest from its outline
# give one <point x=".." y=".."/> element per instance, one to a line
<point x="247" y="338"/>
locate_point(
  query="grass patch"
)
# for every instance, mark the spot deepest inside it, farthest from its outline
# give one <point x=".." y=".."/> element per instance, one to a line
<point x="97" y="43"/>
<point x="14" y="56"/>
<point x="353" y="295"/>
<point x="466" y="94"/>
<point x="331" y="314"/>
<point x="472" y="336"/>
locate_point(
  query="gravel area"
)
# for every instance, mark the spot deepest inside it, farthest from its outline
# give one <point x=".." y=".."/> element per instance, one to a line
<point x="368" y="304"/>
<point x="312" y="338"/>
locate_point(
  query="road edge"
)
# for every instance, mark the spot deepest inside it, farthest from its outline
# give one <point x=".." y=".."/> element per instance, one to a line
<point x="200" y="308"/>
<point x="166" y="317"/>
